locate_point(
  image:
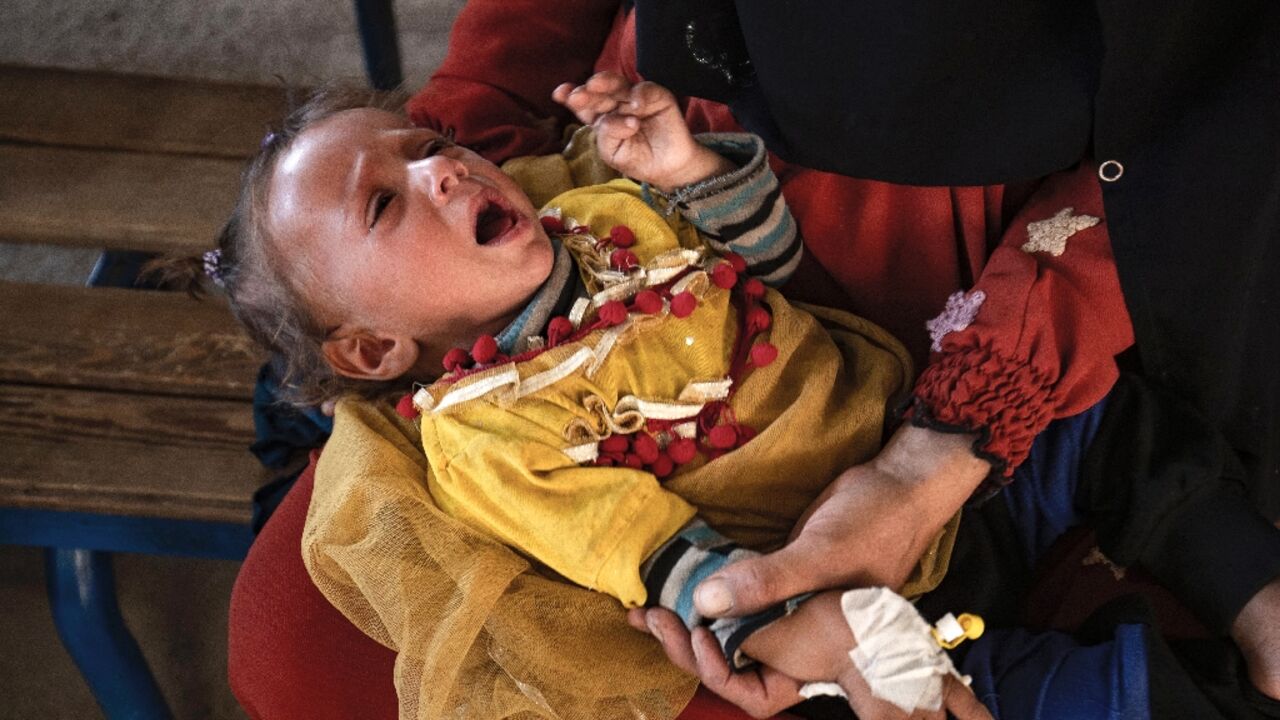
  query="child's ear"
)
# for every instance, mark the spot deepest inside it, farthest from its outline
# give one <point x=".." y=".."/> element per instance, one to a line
<point x="364" y="355"/>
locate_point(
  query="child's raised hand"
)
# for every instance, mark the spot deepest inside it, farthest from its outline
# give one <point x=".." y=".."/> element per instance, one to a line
<point x="640" y="131"/>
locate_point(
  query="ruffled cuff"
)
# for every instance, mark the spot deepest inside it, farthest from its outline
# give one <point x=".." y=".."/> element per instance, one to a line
<point x="981" y="390"/>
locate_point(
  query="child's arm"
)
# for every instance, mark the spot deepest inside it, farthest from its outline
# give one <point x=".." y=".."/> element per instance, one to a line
<point x="721" y="183"/>
<point x="815" y="644"/>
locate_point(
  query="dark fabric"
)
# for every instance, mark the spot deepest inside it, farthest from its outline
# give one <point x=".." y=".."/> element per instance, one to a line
<point x="904" y="91"/>
<point x="282" y="432"/>
<point x="121" y="269"/>
<point x="1183" y="94"/>
<point x="1218" y="673"/>
<point x="1163" y="490"/>
<point x="1200" y="679"/>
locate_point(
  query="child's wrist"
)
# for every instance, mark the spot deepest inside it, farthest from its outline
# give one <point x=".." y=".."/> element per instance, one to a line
<point x="703" y="164"/>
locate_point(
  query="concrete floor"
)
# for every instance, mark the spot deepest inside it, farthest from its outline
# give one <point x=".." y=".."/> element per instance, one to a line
<point x="176" y="608"/>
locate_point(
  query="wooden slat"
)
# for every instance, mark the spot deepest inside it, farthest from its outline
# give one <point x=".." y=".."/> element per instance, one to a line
<point x="127" y="340"/>
<point x="100" y="452"/>
<point x="91" y="198"/>
<point x="104" y="110"/>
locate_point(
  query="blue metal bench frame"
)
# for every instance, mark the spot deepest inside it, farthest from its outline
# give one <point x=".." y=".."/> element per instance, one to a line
<point x="82" y="595"/>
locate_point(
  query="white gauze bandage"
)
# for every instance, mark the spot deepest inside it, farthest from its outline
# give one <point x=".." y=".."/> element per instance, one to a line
<point x="896" y="653"/>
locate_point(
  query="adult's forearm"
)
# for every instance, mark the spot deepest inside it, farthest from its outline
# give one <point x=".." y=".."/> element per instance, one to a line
<point x="939" y="469"/>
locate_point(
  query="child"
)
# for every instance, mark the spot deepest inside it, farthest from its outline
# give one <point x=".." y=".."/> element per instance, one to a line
<point x="552" y="432"/>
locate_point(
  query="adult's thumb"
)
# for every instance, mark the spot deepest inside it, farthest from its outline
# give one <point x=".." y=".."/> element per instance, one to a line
<point x="751" y="585"/>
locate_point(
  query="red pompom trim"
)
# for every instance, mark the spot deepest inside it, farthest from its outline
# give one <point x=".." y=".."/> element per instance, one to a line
<point x="648" y="302"/>
<point x="615" y="444"/>
<point x="722" y="437"/>
<point x="623" y="260"/>
<point x="484" y="350"/>
<point x="456" y="359"/>
<point x="405" y="407"/>
<point x="753" y="289"/>
<point x="552" y="224"/>
<point x="662" y="467"/>
<point x="621" y="236"/>
<point x="558" y="329"/>
<point x="646" y="447"/>
<point x="723" y="276"/>
<point x="613" y="312"/>
<point x="758" y="320"/>
<point x="683" y="304"/>
<point x="683" y="450"/>
<point x="763" y="353"/>
<point x="736" y="261"/>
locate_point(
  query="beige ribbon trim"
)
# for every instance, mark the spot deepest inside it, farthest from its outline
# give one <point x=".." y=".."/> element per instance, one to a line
<point x="508" y="376"/>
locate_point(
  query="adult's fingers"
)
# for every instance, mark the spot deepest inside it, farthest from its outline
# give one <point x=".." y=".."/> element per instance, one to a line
<point x="754" y="584"/>
<point x="761" y="691"/>
<point x="667" y="627"/>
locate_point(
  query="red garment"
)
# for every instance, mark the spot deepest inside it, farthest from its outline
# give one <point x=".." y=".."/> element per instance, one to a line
<point x="1046" y="346"/>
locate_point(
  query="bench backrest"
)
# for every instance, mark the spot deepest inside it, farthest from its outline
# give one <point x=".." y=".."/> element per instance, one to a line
<point x="124" y="401"/>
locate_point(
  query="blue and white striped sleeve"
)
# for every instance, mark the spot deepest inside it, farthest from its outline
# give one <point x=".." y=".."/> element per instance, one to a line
<point x="743" y="211"/>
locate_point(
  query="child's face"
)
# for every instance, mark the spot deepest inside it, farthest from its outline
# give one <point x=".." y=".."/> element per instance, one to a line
<point x="396" y="231"/>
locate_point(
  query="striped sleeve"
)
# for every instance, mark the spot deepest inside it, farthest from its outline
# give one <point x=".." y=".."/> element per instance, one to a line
<point x="743" y="211"/>
<point x="691" y="556"/>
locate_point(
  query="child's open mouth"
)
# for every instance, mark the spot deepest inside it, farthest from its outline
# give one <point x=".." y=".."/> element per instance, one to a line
<point x="494" y="223"/>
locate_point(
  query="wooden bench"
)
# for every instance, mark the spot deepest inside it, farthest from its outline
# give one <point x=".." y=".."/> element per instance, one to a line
<point x="125" y="415"/>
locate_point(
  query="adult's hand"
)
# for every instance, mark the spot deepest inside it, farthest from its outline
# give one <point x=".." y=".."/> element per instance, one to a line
<point x="760" y="691"/>
<point x="869" y="527"/>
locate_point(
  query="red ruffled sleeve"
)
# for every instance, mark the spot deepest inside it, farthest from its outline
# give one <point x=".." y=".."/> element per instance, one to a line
<point x="505" y="57"/>
<point x="1036" y="338"/>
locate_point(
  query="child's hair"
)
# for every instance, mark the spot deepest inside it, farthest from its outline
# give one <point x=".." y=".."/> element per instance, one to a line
<point x="252" y="273"/>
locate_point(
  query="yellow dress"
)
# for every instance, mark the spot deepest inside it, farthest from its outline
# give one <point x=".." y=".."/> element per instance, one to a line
<point x="445" y="540"/>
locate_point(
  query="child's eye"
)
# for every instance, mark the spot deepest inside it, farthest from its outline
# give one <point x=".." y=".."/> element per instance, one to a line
<point x="433" y="146"/>
<point x="380" y="203"/>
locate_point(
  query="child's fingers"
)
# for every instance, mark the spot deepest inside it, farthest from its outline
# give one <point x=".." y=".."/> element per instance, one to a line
<point x="647" y="98"/>
<point x="588" y="105"/>
<point x="609" y="83"/>
<point x="617" y="127"/>
<point x="561" y="93"/>
<point x="961" y="702"/>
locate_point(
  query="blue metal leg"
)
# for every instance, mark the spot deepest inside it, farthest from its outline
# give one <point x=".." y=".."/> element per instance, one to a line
<point x="82" y="595"/>
<point x="376" y="20"/>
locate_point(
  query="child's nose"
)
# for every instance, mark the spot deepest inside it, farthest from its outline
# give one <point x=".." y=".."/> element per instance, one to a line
<point x="438" y="176"/>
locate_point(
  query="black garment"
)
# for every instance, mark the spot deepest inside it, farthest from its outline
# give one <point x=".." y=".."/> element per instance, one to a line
<point x="1163" y="490"/>
<point x="1185" y="94"/>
